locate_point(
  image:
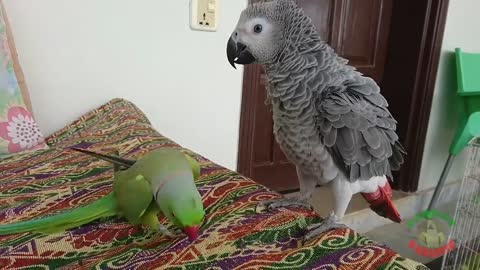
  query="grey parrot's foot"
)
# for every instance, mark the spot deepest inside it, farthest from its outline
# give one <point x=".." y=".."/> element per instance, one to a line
<point x="163" y="230"/>
<point x="330" y="223"/>
<point x="274" y="204"/>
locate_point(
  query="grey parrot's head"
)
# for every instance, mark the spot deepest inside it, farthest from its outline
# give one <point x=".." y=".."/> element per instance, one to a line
<point x="260" y="32"/>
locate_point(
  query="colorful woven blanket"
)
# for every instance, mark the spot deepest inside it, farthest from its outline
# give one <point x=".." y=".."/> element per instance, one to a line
<point x="233" y="235"/>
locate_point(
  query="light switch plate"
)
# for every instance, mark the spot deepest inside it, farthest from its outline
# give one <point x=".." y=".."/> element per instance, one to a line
<point x="204" y="15"/>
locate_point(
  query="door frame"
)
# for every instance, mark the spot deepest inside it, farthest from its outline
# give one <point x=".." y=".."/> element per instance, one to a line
<point x="414" y="47"/>
<point x="245" y="141"/>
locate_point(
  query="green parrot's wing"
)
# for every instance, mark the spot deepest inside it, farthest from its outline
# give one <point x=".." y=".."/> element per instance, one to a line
<point x="194" y="165"/>
<point x="133" y="195"/>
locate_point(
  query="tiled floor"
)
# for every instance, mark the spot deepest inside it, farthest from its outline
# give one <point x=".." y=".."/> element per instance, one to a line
<point x="397" y="236"/>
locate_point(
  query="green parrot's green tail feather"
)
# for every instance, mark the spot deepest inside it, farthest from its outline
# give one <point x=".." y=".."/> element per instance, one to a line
<point x="103" y="207"/>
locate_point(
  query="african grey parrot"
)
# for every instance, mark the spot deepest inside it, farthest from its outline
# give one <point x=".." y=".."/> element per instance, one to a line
<point x="329" y="120"/>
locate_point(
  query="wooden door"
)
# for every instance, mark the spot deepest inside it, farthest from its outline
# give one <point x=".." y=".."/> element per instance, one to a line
<point x="358" y="31"/>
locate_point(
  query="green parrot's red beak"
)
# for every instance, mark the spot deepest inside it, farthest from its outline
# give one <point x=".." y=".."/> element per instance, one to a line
<point x="191" y="232"/>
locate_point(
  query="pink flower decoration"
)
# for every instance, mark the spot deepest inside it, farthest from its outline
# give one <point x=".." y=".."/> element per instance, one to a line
<point x="21" y="131"/>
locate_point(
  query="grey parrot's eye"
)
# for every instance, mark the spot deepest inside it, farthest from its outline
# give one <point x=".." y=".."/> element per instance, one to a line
<point x="257" y="28"/>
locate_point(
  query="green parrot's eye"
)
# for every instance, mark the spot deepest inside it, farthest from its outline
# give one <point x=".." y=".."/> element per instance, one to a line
<point x="257" y="28"/>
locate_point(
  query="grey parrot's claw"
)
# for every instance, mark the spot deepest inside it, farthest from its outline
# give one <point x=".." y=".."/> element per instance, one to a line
<point x="315" y="230"/>
<point x="274" y="204"/>
<point x="326" y="227"/>
<point x="260" y="205"/>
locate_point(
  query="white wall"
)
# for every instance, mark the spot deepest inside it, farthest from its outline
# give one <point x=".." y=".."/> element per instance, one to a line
<point x="462" y="30"/>
<point x="78" y="54"/>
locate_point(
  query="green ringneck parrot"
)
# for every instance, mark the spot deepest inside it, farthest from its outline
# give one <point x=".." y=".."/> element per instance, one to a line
<point x="162" y="181"/>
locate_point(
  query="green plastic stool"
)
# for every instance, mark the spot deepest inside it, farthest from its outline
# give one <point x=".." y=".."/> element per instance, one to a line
<point x="468" y="83"/>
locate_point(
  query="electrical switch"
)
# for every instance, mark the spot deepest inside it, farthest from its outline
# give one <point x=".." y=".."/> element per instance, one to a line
<point x="211" y="6"/>
<point x="204" y="15"/>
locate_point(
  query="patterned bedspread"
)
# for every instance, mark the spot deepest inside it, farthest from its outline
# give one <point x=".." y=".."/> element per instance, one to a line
<point x="233" y="235"/>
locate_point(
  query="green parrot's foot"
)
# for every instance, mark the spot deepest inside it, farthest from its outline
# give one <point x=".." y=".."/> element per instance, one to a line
<point x="332" y="222"/>
<point x="163" y="230"/>
<point x="274" y="204"/>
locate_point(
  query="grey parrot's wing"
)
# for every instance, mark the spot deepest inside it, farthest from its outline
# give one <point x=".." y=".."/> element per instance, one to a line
<point x="359" y="131"/>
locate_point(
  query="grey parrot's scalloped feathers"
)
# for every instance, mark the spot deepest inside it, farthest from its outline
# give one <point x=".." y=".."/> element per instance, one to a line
<point x="346" y="141"/>
<point x="377" y="150"/>
<point x="251" y="2"/>
<point x="372" y="137"/>
<point x="330" y="138"/>
<point x="320" y="102"/>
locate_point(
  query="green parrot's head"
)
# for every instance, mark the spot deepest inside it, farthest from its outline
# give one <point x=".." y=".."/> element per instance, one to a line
<point x="184" y="209"/>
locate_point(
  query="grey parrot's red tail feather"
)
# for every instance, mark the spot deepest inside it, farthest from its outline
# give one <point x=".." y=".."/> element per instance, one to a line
<point x="381" y="203"/>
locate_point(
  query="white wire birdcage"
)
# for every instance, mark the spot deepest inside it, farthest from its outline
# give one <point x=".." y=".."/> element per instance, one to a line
<point x="465" y="233"/>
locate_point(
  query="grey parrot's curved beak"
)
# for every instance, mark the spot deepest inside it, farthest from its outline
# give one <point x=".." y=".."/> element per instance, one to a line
<point x="238" y="53"/>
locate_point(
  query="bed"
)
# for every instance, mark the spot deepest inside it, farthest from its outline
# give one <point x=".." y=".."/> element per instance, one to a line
<point x="233" y="235"/>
